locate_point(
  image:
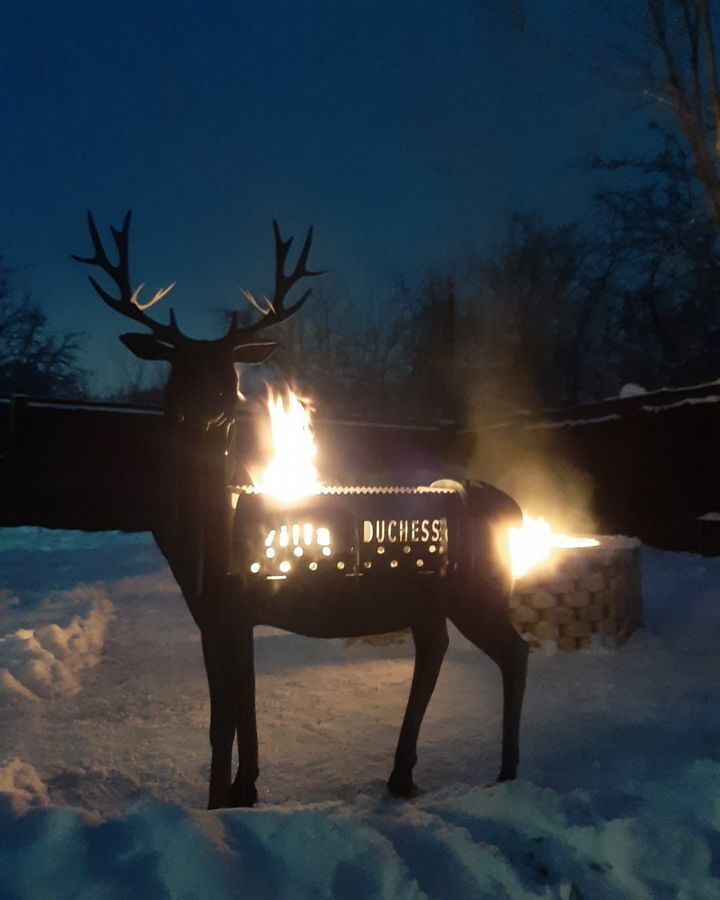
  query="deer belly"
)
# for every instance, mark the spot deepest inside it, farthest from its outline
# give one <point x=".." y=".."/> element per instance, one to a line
<point x="347" y="607"/>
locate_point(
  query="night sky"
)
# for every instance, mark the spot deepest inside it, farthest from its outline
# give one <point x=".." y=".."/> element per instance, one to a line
<point x="405" y="131"/>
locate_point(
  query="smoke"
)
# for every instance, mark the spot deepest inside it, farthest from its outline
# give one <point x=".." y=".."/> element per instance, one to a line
<point x="531" y="461"/>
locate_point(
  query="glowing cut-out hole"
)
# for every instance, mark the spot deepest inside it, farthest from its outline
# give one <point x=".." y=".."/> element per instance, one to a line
<point x="432" y="548"/>
<point x="381" y="550"/>
<point x="419" y="563"/>
<point x="308" y="534"/>
<point x="285" y="566"/>
<point x="407" y="548"/>
<point x="367" y="564"/>
<point x="393" y="564"/>
<point x="298" y="551"/>
<point x="270" y="539"/>
<point x="269" y="553"/>
<point x="323" y="536"/>
<point x="326" y="551"/>
<point x="284" y="536"/>
<point x="312" y="566"/>
<point x="341" y="565"/>
<point x="296" y="535"/>
<point x="255" y="568"/>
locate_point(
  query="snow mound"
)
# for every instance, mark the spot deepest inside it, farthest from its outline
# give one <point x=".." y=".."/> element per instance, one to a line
<point x="631" y="390"/>
<point x="520" y="840"/>
<point x="46" y="662"/>
<point x="151" y="584"/>
<point x="710" y="517"/>
<point x="50" y="540"/>
<point x="8" y="599"/>
<point x="21" y="786"/>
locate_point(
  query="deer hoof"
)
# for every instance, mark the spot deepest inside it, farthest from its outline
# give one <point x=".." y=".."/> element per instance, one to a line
<point x="402" y="786"/>
<point x="217" y="802"/>
<point x="244" y="796"/>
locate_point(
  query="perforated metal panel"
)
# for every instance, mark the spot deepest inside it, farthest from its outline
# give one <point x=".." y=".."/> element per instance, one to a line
<point x="344" y="531"/>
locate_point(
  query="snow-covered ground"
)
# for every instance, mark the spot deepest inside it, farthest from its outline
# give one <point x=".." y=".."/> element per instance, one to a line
<point x="104" y="751"/>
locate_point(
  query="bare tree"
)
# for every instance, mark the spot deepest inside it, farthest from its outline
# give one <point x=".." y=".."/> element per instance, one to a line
<point x="532" y="295"/>
<point x="394" y="357"/>
<point x="684" y="79"/>
<point x="662" y="239"/>
<point x="32" y="359"/>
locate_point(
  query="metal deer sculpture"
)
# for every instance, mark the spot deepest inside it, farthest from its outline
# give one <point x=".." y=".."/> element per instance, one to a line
<point x="195" y="525"/>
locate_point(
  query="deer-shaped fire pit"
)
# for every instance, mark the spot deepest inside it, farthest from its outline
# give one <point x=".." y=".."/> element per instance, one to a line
<point x="206" y="542"/>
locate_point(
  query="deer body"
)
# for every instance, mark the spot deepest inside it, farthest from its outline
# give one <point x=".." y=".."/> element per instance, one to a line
<point x="194" y="530"/>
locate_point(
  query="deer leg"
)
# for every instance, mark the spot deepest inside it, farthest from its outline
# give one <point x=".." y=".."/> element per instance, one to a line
<point x="217" y="653"/>
<point x="492" y="633"/>
<point x="244" y="792"/>
<point x="431" y="642"/>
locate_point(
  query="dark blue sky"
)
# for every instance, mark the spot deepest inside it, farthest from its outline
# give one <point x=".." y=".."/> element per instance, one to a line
<point x="406" y="131"/>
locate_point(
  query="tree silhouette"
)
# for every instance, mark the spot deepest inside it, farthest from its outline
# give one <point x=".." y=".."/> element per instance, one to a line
<point x="32" y="359"/>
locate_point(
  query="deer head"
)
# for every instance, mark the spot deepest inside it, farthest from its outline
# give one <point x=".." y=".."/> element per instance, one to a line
<point x="203" y="386"/>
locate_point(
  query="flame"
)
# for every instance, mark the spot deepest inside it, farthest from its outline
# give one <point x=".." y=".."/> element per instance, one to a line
<point x="291" y="473"/>
<point x="534" y="543"/>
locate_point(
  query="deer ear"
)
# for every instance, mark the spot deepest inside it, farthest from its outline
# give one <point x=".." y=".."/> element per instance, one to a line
<point x="252" y="354"/>
<point x="145" y="346"/>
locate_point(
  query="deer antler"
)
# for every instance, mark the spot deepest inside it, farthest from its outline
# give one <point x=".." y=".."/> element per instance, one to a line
<point x="128" y="303"/>
<point x="275" y="310"/>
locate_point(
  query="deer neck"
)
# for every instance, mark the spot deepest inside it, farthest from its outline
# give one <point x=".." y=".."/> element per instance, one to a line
<point x="193" y="530"/>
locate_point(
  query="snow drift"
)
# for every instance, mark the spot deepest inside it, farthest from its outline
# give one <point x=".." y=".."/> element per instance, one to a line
<point x="21" y="787"/>
<point x="509" y="841"/>
<point x="101" y="791"/>
<point x="47" y="661"/>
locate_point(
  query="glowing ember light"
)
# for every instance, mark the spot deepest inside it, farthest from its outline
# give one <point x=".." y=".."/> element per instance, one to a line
<point x="534" y="543"/>
<point x="291" y="473"/>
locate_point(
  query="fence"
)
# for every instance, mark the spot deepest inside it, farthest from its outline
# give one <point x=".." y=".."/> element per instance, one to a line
<point x="650" y="461"/>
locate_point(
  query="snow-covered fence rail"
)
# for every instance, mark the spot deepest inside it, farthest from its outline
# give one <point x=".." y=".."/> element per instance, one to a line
<point x="648" y="462"/>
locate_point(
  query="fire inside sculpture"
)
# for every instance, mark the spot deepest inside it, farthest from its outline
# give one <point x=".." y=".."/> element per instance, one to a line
<point x="288" y="524"/>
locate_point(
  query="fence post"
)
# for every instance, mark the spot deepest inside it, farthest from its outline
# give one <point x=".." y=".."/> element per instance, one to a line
<point x="17" y="471"/>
